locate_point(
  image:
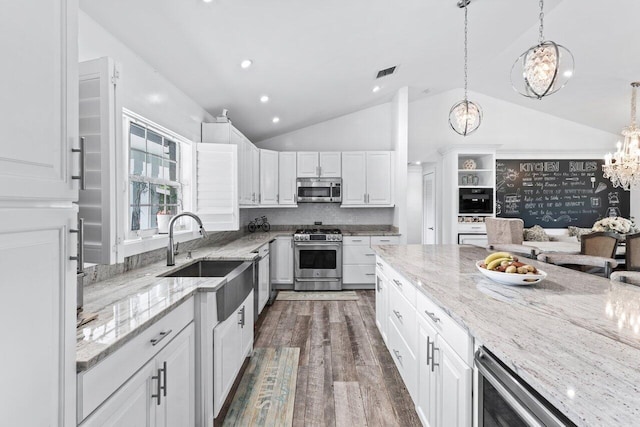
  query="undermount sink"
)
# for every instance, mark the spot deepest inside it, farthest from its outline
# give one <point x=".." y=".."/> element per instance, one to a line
<point x="205" y="268"/>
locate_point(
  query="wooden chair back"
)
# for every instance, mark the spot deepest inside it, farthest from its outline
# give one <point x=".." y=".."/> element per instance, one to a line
<point x="601" y="244"/>
<point x="632" y="255"/>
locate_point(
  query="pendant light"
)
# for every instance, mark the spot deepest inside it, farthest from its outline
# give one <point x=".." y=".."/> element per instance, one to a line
<point x="544" y="68"/>
<point x="465" y="116"/>
<point x="623" y="166"/>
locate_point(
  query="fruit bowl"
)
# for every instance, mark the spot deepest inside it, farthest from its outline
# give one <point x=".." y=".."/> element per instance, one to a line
<point x="514" y="279"/>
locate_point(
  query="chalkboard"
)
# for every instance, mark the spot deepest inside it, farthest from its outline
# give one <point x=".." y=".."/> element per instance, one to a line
<point x="557" y="193"/>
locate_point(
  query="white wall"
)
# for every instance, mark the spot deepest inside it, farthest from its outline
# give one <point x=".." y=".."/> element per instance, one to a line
<point x="400" y="137"/>
<point x="144" y="91"/>
<point x="328" y="213"/>
<point x="515" y="128"/>
<point x="367" y="129"/>
<point x="415" y="196"/>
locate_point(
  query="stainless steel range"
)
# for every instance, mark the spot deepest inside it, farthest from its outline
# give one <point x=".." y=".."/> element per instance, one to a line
<point x="318" y="260"/>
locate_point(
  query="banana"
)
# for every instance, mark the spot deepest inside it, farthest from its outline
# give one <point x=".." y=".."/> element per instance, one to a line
<point x="497" y="255"/>
<point x="496" y="263"/>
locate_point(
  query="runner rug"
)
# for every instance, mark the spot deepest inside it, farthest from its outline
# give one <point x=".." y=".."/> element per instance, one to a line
<point x="266" y="392"/>
<point x="317" y="296"/>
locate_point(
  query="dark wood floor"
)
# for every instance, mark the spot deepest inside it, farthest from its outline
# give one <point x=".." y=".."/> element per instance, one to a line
<point x="346" y="376"/>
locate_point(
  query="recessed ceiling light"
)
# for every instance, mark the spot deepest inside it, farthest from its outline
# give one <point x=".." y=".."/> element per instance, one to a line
<point x="275" y="119"/>
<point x="207" y="1"/>
<point x="375" y="89"/>
<point x="418" y="163"/>
<point x="246" y="63"/>
<point x="264" y="99"/>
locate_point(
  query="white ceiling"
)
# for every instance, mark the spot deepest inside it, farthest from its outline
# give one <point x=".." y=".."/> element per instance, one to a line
<point x="318" y="60"/>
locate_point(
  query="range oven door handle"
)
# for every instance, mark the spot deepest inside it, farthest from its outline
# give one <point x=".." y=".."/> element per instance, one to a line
<point x="317" y="279"/>
<point x="522" y="401"/>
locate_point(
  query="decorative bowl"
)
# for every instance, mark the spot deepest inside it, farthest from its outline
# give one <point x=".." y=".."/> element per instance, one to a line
<point x="513" y="279"/>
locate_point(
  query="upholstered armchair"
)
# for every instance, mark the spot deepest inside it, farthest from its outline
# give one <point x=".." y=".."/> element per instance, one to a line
<point x="506" y="234"/>
<point x="632" y="261"/>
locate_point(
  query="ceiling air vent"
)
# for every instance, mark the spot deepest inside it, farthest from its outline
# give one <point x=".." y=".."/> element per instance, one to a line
<point x="386" y="72"/>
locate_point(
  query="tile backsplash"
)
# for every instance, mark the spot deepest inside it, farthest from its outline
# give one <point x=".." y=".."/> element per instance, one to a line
<point x="328" y="213"/>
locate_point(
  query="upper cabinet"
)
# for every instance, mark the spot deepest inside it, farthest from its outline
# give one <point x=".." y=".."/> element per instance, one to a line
<point x="313" y="164"/>
<point x="40" y="85"/>
<point x="287" y="178"/>
<point x="367" y="178"/>
<point x="268" y="177"/>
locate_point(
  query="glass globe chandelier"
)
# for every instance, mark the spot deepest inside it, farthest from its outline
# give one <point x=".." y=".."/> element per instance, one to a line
<point x="465" y="116"/>
<point x="544" y="68"/>
<point x="623" y="166"/>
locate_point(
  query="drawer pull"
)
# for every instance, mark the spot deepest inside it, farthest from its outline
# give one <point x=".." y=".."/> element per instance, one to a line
<point x="369" y="254"/>
<point x="356" y="240"/>
<point x="397" y="282"/>
<point x="163" y="335"/>
<point x="398" y="355"/>
<point x="432" y="316"/>
<point x="385" y="240"/>
<point x="379" y="264"/>
<point x="370" y="274"/>
<point x="398" y="315"/>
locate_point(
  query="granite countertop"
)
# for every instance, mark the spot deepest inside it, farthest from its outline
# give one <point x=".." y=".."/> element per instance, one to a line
<point x="129" y="303"/>
<point x="574" y="337"/>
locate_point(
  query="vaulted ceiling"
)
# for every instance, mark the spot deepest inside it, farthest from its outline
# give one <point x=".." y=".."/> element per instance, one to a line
<point x="318" y="60"/>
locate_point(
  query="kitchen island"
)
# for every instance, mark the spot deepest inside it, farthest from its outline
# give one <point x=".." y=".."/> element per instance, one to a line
<point x="574" y="338"/>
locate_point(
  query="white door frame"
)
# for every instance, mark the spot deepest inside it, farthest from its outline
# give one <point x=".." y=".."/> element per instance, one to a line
<point x="431" y="175"/>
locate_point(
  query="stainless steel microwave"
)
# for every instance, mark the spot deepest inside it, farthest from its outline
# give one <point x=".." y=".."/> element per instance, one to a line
<point x="475" y="200"/>
<point x="319" y="190"/>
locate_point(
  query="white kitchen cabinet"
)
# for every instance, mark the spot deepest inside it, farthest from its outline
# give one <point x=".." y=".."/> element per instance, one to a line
<point x="382" y="301"/>
<point x="473" y="239"/>
<point x="100" y="117"/>
<point x="255" y="175"/>
<point x="367" y="178"/>
<point x="358" y="259"/>
<point x="326" y="164"/>
<point x="330" y="164"/>
<point x="39" y="111"/>
<point x="282" y="260"/>
<point x="263" y="277"/>
<point x="453" y="396"/>
<point x="216" y="189"/>
<point x="426" y="404"/>
<point x="160" y="394"/>
<point x="232" y="343"/>
<point x="287" y="185"/>
<point x="268" y="177"/>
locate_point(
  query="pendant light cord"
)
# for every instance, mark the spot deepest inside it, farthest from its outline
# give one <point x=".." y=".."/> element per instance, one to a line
<point x="541" y="35"/>
<point x="465" y="51"/>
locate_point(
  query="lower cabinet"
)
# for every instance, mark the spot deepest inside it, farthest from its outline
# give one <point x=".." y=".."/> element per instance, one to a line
<point x="435" y="363"/>
<point x="232" y="343"/>
<point x="161" y="393"/>
<point x="358" y="259"/>
<point x="281" y="263"/>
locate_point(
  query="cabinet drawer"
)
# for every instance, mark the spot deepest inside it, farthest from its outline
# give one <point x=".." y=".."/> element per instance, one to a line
<point x="356" y="240"/>
<point x="400" y="283"/>
<point x="100" y="381"/>
<point x="403" y="315"/>
<point x="263" y="250"/>
<point x="404" y="358"/>
<point x="385" y="240"/>
<point x="454" y="334"/>
<point x="358" y="254"/>
<point x="358" y="274"/>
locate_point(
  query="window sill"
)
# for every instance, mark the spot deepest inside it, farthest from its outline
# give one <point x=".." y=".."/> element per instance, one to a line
<point x="157" y="241"/>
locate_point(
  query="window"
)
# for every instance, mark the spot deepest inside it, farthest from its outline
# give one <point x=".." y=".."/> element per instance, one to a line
<point x="154" y="177"/>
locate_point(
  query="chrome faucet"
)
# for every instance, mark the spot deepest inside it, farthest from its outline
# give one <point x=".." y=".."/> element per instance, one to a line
<point x="171" y="251"/>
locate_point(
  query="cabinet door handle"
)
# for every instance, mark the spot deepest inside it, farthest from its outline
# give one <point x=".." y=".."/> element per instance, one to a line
<point x="241" y="319"/>
<point x="320" y="170"/>
<point x="397" y="282"/>
<point x="160" y="337"/>
<point x="428" y="349"/>
<point x="364" y="198"/>
<point x="398" y="315"/>
<point x="379" y="287"/>
<point x="83" y="171"/>
<point x="80" y="257"/>
<point x="379" y="264"/>
<point x="157" y="395"/>
<point x="164" y="376"/>
<point x="432" y="316"/>
<point x="433" y="358"/>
